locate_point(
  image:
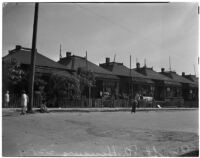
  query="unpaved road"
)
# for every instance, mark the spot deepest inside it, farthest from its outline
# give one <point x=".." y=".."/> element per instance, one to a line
<point x="100" y="134"/>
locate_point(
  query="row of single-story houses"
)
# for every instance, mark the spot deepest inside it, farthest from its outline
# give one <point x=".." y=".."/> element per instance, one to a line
<point x="115" y="79"/>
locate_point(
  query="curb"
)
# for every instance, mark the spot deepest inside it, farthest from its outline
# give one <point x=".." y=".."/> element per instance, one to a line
<point x="87" y="110"/>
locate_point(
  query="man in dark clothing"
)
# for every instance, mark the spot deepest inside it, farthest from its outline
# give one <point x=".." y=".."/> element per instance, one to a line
<point x="135" y="102"/>
<point x="133" y="105"/>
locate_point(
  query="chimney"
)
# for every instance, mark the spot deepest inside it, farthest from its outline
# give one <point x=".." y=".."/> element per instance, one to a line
<point x="183" y="73"/>
<point x="162" y="70"/>
<point x="137" y="65"/>
<point x="107" y="60"/>
<point x="68" y="54"/>
<point x="18" y="47"/>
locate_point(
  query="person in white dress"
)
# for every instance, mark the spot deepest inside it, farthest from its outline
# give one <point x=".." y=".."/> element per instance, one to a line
<point x="24" y="102"/>
<point x="6" y="99"/>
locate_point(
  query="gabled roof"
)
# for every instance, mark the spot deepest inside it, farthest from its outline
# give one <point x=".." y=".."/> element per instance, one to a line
<point x="74" y="62"/>
<point x="24" y="57"/>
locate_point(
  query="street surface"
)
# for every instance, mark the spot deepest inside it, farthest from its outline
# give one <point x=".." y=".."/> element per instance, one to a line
<point x="159" y="133"/>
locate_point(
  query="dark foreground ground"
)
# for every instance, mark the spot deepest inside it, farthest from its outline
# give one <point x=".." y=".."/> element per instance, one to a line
<point x="161" y="133"/>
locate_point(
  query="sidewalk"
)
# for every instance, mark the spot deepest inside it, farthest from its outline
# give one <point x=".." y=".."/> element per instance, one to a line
<point x="99" y="109"/>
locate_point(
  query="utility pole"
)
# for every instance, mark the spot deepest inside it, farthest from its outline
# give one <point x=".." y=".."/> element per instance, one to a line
<point x="89" y="95"/>
<point x="33" y="51"/>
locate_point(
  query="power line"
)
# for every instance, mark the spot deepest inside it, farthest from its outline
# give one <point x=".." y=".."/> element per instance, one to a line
<point x="105" y="18"/>
<point x="118" y="24"/>
<point x="121" y="26"/>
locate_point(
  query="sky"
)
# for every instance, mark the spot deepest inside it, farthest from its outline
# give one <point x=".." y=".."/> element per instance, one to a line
<point x="151" y="31"/>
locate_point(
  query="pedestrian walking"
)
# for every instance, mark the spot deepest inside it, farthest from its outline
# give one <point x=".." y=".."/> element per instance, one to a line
<point x="24" y="102"/>
<point x="133" y="105"/>
<point x="135" y="102"/>
<point x="6" y="99"/>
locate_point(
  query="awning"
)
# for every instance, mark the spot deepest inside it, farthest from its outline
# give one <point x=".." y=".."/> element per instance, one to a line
<point x="172" y="83"/>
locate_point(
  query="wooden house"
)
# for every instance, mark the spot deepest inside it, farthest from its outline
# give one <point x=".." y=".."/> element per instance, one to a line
<point x="43" y="65"/>
<point x="130" y="80"/>
<point x="106" y="81"/>
<point x="189" y="84"/>
<point x="166" y="89"/>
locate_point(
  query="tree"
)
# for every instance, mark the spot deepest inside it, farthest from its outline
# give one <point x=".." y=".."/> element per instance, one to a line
<point x="86" y="79"/>
<point x="14" y="77"/>
<point x="62" y="86"/>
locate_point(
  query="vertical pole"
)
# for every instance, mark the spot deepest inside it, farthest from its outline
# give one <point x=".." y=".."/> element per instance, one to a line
<point x="130" y="79"/>
<point x="86" y="62"/>
<point x="89" y="100"/>
<point x="60" y="52"/>
<point x="33" y="51"/>
<point x="170" y="69"/>
<point x="194" y="70"/>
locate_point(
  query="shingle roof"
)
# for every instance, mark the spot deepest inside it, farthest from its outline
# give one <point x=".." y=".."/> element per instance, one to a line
<point x="74" y="62"/>
<point x="193" y="78"/>
<point x="24" y="57"/>
<point x="179" y="78"/>
<point x="151" y="74"/>
<point x="121" y="70"/>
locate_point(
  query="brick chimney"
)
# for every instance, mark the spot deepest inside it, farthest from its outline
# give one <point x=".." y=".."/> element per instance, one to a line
<point x="162" y="70"/>
<point x="18" y="47"/>
<point x="68" y="54"/>
<point x="183" y="73"/>
<point x="137" y="65"/>
<point x="107" y="60"/>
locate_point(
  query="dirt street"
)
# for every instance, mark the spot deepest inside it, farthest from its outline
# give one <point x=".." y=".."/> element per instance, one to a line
<point x="163" y="133"/>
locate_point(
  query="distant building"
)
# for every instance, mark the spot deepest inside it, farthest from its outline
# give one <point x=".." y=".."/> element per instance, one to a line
<point x="165" y="87"/>
<point x="189" y="84"/>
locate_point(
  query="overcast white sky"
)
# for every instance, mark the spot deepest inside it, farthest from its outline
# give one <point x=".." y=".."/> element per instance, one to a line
<point x="153" y="31"/>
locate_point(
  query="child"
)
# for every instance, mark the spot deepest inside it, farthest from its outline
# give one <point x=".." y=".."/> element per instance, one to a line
<point x="24" y="102"/>
<point x="43" y="107"/>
